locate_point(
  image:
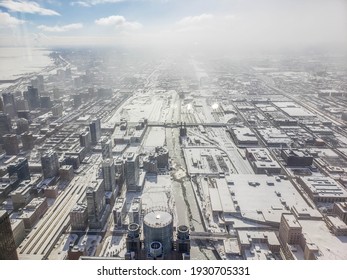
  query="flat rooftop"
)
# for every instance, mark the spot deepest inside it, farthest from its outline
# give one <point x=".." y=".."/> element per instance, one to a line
<point x="292" y="221"/>
<point x="324" y="187"/>
<point x="330" y="247"/>
<point x="265" y="198"/>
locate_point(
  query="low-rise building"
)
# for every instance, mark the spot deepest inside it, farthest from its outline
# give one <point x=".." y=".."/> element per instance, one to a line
<point x="262" y="162"/>
<point x="296" y="157"/>
<point x="323" y="189"/>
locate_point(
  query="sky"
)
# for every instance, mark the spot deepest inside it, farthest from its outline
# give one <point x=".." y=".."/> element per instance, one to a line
<point x="212" y="24"/>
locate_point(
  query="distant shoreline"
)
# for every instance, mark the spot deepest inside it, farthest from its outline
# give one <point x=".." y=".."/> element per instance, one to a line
<point x="9" y="81"/>
<point x="19" y="62"/>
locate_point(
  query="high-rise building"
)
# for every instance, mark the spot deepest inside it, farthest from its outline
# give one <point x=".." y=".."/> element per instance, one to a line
<point x="38" y="83"/>
<point x="106" y="147"/>
<point x="45" y="102"/>
<point x="85" y="140"/>
<point x="77" y="100"/>
<point x="109" y="175"/>
<point x="57" y="110"/>
<point x="5" y="124"/>
<point x="135" y="210"/>
<point x="22" y="104"/>
<point x="22" y="126"/>
<point x="20" y="168"/>
<point x="79" y="217"/>
<point x="27" y="141"/>
<point x="33" y="98"/>
<point x="9" y="104"/>
<point x="132" y="171"/>
<point x="7" y="243"/>
<point x="96" y="204"/>
<point x="95" y="131"/>
<point x="50" y="164"/>
<point x="11" y="144"/>
<point x="8" y="98"/>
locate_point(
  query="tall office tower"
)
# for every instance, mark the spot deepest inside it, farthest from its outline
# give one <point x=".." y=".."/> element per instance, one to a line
<point x="57" y="110"/>
<point x="22" y="126"/>
<point x="27" y="141"/>
<point x="79" y="217"/>
<point x="95" y="130"/>
<point x="45" y="102"/>
<point x="41" y="83"/>
<point x="38" y="83"/>
<point x="57" y="93"/>
<point x="20" y="168"/>
<point x="85" y="140"/>
<point x="106" y="147"/>
<point x="50" y="164"/>
<point x="22" y="104"/>
<point x="68" y="74"/>
<point x="1" y="105"/>
<point x="33" y="98"/>
<point x="8" y="98"/>
<point x="77" y="100"/>
<point x="11" y="144"/>
<point x="96" y="204"/>
<point x="7" y="243"/>
<point x="9" y="104"/>
<point x="132" y="171"/>
<point x="5" y="124"/>
<point x="109" y="175"/>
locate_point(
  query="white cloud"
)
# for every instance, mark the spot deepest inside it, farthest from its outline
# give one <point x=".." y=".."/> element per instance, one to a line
<point x="118" y="21"/>
<point x="27" y="7"/>
<point x="6" y="20"/>
<point x="61" y="28"/>
<point x="89" y="3"/>
<point x="193" y="20"/>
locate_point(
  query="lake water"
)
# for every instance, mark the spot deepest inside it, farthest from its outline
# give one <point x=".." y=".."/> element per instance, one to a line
<point x="15" y="62"/>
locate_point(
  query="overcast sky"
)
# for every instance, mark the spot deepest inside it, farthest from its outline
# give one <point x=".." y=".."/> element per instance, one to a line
<point x="229" y="24"/>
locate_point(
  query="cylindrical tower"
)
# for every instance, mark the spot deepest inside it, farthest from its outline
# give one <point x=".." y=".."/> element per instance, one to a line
<point x="158" y="226"/>
<point x="133" y="243"/>
<point x="183" y="232"/>
<point x="183" y="241"/>
<point x="156" y="249"/>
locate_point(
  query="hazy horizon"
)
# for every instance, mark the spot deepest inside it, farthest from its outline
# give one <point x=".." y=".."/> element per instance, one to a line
<point x="223" y="26"/>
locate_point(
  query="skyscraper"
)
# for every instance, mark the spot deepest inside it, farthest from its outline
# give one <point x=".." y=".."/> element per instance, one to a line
<point x="132" y="171"/>
<point x="95" y="204"/>
<point x="7" y="243"/>
<point x="106" y="147"/>
<point x="5" y="125"/>
<point x="95" y="131"/>
<point x="33" y="98"/>
<point x="9" y="104"/>
<point x="27" y="141"/>
<point x="50" y="164"/>
<point x="109" y="174"/>
<point x="22" y="126"/>
<point x="85" y="140"/>
<point x="11" y="144"/>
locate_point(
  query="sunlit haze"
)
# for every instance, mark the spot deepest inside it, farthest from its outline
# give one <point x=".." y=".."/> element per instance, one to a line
<point x="223" y="25"/>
